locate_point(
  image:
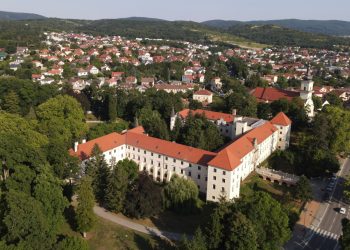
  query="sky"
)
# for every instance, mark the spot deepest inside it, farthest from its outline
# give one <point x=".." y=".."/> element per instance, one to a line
<point x="194" y="10"/>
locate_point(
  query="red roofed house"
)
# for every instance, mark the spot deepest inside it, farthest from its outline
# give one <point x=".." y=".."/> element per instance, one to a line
<point x="203" y="96"/>
<point x="217" y="174"/>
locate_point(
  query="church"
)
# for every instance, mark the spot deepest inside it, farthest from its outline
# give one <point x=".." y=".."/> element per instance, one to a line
<point x="271" y="94"/>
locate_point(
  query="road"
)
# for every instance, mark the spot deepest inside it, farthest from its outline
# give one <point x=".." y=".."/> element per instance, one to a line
<point x="103" y="213"/>
<point x="325" y="229"/>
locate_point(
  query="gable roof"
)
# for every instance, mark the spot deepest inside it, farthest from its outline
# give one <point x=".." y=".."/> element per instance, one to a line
<point x="281" y="119"/>
<point x="210" y="115"/>
<point x="203" y="92"/>
<point x="273" y="94"/>
<point x="105" y="143"/>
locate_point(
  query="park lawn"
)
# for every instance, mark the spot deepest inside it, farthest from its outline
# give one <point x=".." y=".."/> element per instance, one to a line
<point x="108" y="236"/>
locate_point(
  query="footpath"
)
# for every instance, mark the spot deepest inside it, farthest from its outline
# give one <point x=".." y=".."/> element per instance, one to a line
<point x="101" y="212"/>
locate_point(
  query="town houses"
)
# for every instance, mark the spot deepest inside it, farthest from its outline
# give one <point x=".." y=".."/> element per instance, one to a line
<point x="217" y="174"/>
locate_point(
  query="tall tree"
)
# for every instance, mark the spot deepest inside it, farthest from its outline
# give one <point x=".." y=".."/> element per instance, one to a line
<point x="11" y="103"/>
<point x="144" y="199"/>
<point x="270" y="220"/>
<point x="345" y="238"/>
<point x="98" y="170"/>
<point x="62" y="118"/>
<point x="303" y="189"/>
<point x="112" y="108"/>
<point x="85" y="216"/>
<point x="120" y="180"/>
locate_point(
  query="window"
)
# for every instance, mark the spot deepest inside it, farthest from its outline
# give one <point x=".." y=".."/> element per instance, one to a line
<point x="138" y="150"/>
<point x="138" y="158"/>
<point x="213" y="197"/>
<point x="166" y="158"/>
<point x="189" y="173"/>
<point x="182" y="163"/>
<point x="206" y="178"/>
<point x="280" y="139"/>
<point x="199" y="167"/>
<point x="144" y="151"/>
<point x="166" y="166"/>
<point x="182" y="171"/>
<point x="223" y="180"/>
<point x="214" y="170"/>
<point x="110" y="153"/>
<point x="190" y="165"/>
<point x="158" y="164"/>
<point x="114" y="150"/>
<point x="151" y="161"/>
<point x="151" y="154"/>
<point x="174" y="160"/>
<point x="199" y="177"/>
<point x="214" y="186"/>
<point x="223" y="189"/>
<point x="214" y="178"/>
<point x="159" y="156"/>
<point x="174" y="169"/>
<point x="224" y="172"/>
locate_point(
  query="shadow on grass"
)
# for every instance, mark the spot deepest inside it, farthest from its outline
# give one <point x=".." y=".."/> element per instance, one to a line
<point x="69" y="214"/>
<point x="155" y="244"/>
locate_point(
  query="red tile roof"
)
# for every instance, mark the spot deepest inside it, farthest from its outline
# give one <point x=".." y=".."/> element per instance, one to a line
<point x="105" y="143"/>
<point x="171" y="149"/>
<point x="230" y="157"/>
<point x="210" y="115"/>
<point x="281" y="119"/>
<point x="203" y="92"/>
<point x="273" y="94"/>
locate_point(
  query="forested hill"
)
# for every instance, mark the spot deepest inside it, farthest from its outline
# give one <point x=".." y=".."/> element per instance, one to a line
<point x="326" y="27"/>
<point x="276" y="35"/>
<point x="19" y="16"/>
<point x="29" y="32"/>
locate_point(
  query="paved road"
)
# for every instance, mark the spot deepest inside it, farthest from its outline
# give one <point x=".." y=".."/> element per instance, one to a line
<point x="325" y="230"/>
<point x="101" y="212"/>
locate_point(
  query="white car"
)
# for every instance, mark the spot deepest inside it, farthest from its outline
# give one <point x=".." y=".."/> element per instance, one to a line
<point x="342" y="210"/>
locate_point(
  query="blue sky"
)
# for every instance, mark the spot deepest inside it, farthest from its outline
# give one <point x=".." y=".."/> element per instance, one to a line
<point x="195" y="10"/>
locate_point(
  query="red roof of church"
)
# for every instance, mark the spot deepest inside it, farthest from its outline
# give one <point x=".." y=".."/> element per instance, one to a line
<point x="273" y="94"/>
<point x="210" y="115"/>
<point x="281" y="119"/>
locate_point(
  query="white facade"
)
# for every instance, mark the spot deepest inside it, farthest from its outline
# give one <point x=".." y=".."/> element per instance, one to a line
<point x="220" y="175"/>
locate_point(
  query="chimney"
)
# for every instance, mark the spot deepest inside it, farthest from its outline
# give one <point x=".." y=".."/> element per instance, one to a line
<point x="255" y="142"/>
<point x="76" y="146"/>
<point x="84" y="141"/>
<point x="234" y="112"/>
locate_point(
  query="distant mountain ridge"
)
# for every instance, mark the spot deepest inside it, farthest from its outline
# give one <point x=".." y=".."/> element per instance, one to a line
<point x="16" y="16"/>
<point x="326" y="27"/>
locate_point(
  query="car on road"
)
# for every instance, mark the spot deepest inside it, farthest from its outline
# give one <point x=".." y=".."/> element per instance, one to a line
<point x="342" y="210"/>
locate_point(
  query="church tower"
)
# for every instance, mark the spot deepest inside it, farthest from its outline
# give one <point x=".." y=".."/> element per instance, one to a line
<point x="306" y="90"/>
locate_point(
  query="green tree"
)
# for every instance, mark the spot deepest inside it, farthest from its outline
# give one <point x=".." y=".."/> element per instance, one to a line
<point x="334" y="99"/>
<point x="345" y="238"/>
<point x="182" y="195"/>
<point x="120" y="180"/>
<point x="112" y="108"/>
<point x="245" y="104"/>
<point x="198" y="242"/>
<point x="72" y="243"/>
<point x="24" y="221"/>
<point x="264" y="111"/>
<point x="270" y="220"/>
<point x="240" y="234"/>
<point x="153" y="124"/>
<point x="11" y="103"/>
<point x="62" y="118"/>
<point x="98" y="170"/>
<point x="85" y="216"/>
<point x="303" y="189"/>
<point x="144" y="199"/>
